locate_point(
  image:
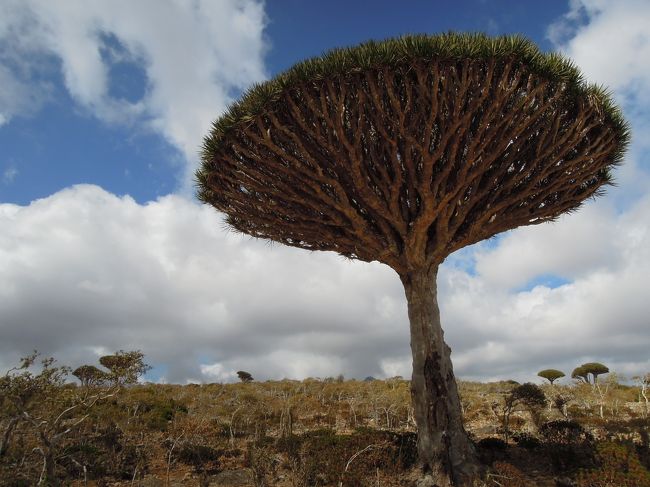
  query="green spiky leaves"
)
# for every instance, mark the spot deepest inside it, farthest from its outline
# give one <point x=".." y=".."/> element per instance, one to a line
<point x="407" y="49"/>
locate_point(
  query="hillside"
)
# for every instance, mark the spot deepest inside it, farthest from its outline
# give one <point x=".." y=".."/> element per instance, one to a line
<point x="317" y="432"/>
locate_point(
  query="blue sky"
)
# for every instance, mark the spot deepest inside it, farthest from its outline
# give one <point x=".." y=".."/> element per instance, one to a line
<point x="298" y="30"/>
<point x="103" y="106"/>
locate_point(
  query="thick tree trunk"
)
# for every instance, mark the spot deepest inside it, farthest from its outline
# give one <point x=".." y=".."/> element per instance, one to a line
<point x="447" y="456"/>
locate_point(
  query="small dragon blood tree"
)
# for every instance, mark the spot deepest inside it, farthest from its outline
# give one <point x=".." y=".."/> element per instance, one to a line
<point x="402" y="152"/>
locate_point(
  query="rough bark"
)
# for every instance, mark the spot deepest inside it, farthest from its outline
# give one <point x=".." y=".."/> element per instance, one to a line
<point x="447" y="455"/>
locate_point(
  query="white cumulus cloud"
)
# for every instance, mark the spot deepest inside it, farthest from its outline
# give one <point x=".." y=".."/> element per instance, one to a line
<point x="601" y="314"/>
<point x="610" y="42"/>
<point x="84" y="272"/>
<point x="193" y="56"/>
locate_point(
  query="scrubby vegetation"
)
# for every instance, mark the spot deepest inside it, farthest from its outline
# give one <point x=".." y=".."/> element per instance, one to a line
<point x="315" y="432"/>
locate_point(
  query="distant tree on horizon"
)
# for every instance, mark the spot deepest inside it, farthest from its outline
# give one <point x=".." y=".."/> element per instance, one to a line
<point x="124" y="367"/>
<point x="551" y="375"/>
<point x="589" y="372"/>
<point x="89" y="375"/>
<point x="244" y="376"/>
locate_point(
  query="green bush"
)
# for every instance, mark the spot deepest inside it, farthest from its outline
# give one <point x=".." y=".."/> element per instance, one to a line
<point x="492" y="449"/>
<point x="157" y="414"/>
<point x="527" y="440"/>
<point x="619" y="466"/>
<point x="202" y="457"/>
<point x="564" y="432"/>
<point x="92" y="456"/>
<point x="321" y="455"/>
<point x="492" y="443"/>
<point x="567" y="444"/>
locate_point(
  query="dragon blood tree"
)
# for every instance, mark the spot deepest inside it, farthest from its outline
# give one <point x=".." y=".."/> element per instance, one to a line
<point x="402" y="152"/>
